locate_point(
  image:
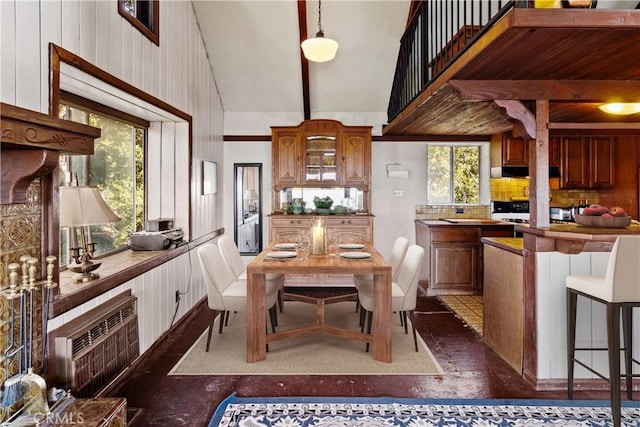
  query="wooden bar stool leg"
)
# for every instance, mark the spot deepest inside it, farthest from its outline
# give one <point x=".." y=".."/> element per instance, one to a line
<point x="613" y="338"/>
<point x="627" y="333"/>
<point x="572" y="301"/>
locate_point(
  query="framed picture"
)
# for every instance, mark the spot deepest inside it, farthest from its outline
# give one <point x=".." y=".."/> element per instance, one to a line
<point x="209" y="177"/>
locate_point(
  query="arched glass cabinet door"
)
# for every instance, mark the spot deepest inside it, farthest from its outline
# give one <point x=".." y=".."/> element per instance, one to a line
<point x="247" y="190"/>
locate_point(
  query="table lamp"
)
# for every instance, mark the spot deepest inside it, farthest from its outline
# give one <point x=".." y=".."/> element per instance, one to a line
<point x="82" y="206"/>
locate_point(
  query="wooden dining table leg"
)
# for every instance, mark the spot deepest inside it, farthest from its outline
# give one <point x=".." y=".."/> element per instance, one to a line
<point x="256" y="317"/>
<point x="382" y="316"/>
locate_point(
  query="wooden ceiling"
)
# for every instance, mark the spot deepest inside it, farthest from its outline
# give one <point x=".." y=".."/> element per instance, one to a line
<point x="575" y="58"/>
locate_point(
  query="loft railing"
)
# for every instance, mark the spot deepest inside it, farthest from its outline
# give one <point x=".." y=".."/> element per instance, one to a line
<point x="439" y="32"/>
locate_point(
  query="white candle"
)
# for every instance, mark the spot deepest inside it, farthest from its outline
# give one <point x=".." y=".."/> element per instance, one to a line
<point x="317" y="238"/>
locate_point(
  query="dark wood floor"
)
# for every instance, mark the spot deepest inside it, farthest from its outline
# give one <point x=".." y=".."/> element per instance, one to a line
<point x="472" y="370"/>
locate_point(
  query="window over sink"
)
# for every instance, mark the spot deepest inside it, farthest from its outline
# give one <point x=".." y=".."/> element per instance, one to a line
<point x="456" y="173"/>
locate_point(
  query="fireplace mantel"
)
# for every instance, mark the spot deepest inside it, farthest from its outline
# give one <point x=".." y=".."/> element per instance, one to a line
<point x="31" y="143"/>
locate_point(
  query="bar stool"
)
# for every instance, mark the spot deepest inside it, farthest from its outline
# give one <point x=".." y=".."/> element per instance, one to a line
<point x="619" y="291"/>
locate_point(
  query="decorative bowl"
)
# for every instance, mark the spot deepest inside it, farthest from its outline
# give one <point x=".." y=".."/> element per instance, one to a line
<point x="322" y="203"/>
<point x="604" y="222"/>
<point x="323" y="211"/>
<point x="339" y="210"/>
<point x="297" y="210"/>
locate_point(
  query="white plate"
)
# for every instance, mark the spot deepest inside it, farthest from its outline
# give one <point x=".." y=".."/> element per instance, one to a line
<point x="355" y="255"/>
<point x="285" y="246"/>
<point x="281" y="254"/>
<point x="351" y="246"/>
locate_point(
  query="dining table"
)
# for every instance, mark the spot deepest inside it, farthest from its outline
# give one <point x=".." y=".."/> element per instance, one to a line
<point x="337" y="259"/>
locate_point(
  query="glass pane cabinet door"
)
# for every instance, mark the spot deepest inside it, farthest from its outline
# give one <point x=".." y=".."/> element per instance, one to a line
<point x="320" y="164"/>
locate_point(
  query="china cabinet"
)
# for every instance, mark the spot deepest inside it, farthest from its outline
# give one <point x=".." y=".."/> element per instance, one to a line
<point x="321" y="153"/>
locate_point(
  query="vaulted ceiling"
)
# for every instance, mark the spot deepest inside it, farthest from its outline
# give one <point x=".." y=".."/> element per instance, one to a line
<point x="254" y="51"/>
<point x="576" y="58"/>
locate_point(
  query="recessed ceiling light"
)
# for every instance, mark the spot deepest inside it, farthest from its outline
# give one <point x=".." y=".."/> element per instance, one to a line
<point x="621" y="108"/>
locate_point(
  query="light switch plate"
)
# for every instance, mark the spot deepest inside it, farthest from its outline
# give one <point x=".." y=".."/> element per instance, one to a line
<point x="398" y="193"/>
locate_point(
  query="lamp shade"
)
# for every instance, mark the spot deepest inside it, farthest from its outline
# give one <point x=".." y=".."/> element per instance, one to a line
<point x="84" y="205"/>
<point x="319" y="48"/>
<point x="250" y="195"/>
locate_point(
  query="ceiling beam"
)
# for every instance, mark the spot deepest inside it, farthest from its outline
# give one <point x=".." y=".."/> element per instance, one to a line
<point x="555" y="90"/>
<point x="304" y="62"/>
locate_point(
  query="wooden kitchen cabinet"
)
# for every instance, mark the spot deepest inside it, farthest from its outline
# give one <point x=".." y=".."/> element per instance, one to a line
<point x="321" y="153"/>
<point x="338" y="228"/>
<point x="554" y="151"/>
<point x="453" y="255"/>
<point x="587" y="162"/>
<point x="515" y="151"/>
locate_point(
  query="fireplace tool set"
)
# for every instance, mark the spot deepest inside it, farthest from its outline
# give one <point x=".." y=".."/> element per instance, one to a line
<point x="25" y="391"/>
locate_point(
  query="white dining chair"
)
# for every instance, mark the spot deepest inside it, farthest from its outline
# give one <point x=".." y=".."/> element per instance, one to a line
<point x="225" y="293"/>
<point x="404" y="291"/>
<point x="231" y="255"/>
<point x="398" y="250"/>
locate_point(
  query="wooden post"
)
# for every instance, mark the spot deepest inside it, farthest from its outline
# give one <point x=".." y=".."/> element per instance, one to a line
<point x="539" y="192"/>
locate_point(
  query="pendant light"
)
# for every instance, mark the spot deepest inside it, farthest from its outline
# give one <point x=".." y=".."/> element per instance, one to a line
<point x="319" y="48"/>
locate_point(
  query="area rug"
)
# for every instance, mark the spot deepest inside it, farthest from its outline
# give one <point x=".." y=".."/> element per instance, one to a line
<point x="387" y="412"/>
<point x="315" y="354"/>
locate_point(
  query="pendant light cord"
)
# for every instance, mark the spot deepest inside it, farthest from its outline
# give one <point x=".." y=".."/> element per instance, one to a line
<point x="320" y="29"/>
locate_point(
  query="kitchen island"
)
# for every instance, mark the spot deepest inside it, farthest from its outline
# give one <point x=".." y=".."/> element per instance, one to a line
<point x="550" y="254"/>
<point x="503" y="298"/>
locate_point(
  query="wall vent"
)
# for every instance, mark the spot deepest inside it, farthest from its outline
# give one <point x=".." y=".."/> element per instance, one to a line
<point x="94" y="348"/>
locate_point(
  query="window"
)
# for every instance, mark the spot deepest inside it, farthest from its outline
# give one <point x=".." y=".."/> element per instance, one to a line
<point x="453" y="174"/>
<point x="144" y="15"/>
<point x="116" y="168"/>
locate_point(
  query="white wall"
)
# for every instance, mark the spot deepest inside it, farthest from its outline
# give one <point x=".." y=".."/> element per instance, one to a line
<point x="177" y="72"/>
<point x="247" y="152"/>
<point x="393" y="216"/>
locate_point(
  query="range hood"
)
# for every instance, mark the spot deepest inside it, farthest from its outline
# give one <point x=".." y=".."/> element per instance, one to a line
<point x="519" y="172"/>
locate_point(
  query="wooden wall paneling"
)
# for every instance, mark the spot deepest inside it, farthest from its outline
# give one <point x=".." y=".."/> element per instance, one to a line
<point x="167" y="167"/>
<point x="153" y="169"/>
<point x="8" y="49"/>
<point x="145" y="65"/>
<point x="116" y="22"/>
<point x="136" y="59"/>
<point x="127" y="53"/>
<point x="138" y="288"/>
<point x="50" y="31"/>
<point x="28" y="60"/>
<point x="71" y="25"/>
<point x="104" y="9"/>
<point x="182" y="176"/>
<point x="88" y="30"/>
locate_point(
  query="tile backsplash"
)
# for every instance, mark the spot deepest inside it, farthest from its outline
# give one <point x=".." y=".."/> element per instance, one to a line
<point x="507" y="189"/>
<point x="504" y="189"/>
<point x="452" y="211"/>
